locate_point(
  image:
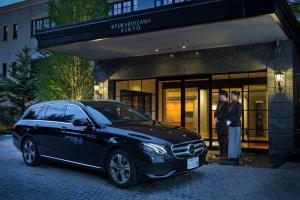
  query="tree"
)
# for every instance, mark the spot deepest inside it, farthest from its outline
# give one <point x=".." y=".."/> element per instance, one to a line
<point x="295" y="6"/>
<point x="19" y="89"/>
<point x="64" y="77"/>
<point x="66" y="12"/>
<point x="68" y="77"/>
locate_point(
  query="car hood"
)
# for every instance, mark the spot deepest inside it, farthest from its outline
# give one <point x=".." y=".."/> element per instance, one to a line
<point x="169" y="133"/>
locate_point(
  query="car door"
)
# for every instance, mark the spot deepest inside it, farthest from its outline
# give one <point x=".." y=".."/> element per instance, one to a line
<point x="83" y="142"/>
<point x="50" y="137"/>
<point x="28" y="125"/>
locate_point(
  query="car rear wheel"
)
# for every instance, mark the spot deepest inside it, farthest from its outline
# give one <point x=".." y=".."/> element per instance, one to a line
<point x="121" y="168"/>
<point x="30" y="153"/>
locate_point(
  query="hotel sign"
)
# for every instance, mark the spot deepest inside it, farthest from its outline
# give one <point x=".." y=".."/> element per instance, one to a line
<point x="131" y="26"/>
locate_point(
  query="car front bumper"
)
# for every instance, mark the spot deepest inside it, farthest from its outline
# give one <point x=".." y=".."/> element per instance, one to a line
<point x="156" y="167"/>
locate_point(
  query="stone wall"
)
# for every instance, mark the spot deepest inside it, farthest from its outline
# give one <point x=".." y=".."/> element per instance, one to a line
<point x="281" y="107"/>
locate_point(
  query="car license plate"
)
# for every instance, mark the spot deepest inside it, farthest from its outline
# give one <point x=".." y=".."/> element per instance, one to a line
<point x="192" y="163"/>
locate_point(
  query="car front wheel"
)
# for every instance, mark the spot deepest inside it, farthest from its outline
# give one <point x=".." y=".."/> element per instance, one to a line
<point x="121" y="168"/>
<point x="30" y="153"/>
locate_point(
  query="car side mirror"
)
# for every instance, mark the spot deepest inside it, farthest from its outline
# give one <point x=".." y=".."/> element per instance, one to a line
<point x="82" y="122"/>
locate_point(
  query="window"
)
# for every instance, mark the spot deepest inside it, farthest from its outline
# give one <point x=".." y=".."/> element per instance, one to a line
<point x="5" y="33"/>
<point x="115" y="112"/>
<point x="123" y="7"/>
<point x="73" y="113"/>
<point x="135" y="5"/>
<point x="167" y="2"/>
<point x="55" y="112"/>
<point x="33" y="113"/>
<point x="117" y="8"/>
<point x="4" y="69"/>
<point x="159" y="3"/>
<point x="139" y="94"/>
<point x="40" y="24"/>
<point x="126" y="6"/>
<point x="15" y="31"/>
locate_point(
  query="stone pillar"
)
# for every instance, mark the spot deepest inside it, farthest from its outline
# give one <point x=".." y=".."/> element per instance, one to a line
<point x="281" y="117"/>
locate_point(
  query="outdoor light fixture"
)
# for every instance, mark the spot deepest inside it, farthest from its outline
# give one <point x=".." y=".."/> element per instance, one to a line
<point x="184" y="47"/>
<point x="279" y="78"/>
<point x="99" y="90"/>
<point x="156" y="50"/>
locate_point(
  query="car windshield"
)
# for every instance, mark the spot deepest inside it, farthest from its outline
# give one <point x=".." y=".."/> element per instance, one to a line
<point x="105" y="112"/>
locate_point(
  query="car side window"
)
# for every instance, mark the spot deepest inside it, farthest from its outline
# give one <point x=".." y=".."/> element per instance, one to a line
<point x="32" y="113"/>
<point x="42" y="112"/>
<point x="73" y="113"/>
<point x="55" y="112"/>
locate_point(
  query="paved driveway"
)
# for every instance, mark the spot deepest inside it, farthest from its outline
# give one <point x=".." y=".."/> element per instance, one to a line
<point x="217" y="182"/>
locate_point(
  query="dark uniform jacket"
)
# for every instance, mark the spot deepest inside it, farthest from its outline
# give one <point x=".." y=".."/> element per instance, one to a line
<point x="234" y="113"/>
<point x="221" y="114"/>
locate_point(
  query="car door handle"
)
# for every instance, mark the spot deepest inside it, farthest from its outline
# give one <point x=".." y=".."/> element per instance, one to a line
<point x="36" y="126"/>
<point x="63" y="130"/>
<point x="91" y="135"/>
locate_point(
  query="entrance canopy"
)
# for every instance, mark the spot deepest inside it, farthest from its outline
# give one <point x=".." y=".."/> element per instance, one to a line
<point x="192" y="25"/>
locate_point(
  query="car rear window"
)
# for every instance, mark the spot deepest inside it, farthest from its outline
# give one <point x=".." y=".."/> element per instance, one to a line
<point x="32" y="113"/>
<point x="55" y="112"/>
<point x="35" y="113"/>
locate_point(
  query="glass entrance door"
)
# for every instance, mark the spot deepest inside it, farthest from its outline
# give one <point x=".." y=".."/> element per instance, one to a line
<point x="172" y="106"/>
<point x="197" y="110"/>
<point x="193" y="101"/>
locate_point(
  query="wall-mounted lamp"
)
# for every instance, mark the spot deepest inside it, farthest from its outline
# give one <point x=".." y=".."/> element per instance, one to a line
<point x="279" y="78"/>
<point x="99" y="90"/>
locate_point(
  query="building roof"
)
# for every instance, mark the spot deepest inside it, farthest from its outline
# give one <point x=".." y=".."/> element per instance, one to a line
<point x="199" y="24"/>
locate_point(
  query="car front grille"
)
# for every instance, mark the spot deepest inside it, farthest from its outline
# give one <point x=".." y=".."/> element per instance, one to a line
<point x="188" y="149"/>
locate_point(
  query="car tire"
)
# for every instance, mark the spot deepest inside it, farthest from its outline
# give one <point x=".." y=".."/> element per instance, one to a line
<point x="121" y="169"/>
<point x="30" y="153"/>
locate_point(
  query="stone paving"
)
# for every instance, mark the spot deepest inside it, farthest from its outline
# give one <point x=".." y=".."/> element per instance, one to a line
<point x="51" y="181"/>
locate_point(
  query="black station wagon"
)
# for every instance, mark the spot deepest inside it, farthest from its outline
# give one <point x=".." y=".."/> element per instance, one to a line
<point x="109" y="136"/>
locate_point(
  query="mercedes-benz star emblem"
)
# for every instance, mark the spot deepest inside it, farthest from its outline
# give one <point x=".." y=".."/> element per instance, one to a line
<point x="191" y="149"/>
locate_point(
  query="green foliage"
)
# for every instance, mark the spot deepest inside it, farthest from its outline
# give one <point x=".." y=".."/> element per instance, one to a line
<point x="19" y="89"/>
<point x="295" y="6"/>
<point x="68" y="77"/>
<point x="64" y="77"/>
<point x="64" y="12"/>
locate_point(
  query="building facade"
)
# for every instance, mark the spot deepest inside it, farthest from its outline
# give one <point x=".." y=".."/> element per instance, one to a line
<point x="18" y="24"/>
<point x="170" y="59"/>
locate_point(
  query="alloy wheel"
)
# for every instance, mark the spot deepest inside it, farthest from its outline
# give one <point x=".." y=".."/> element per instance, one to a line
<point x="119" y="168"/>
<point x="29" y="151"/>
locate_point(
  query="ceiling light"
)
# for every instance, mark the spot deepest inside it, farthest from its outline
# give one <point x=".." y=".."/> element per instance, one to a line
<point x="184" y="47"/>
<point x="156" y="50"/>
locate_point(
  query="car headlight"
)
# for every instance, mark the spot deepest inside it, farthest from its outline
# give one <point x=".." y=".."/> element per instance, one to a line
<point x="155" y="148"/>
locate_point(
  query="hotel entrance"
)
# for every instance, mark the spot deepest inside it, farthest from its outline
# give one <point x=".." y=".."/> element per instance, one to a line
<point x="190" y="102"/>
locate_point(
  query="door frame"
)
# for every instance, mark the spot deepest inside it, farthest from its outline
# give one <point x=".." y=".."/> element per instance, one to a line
<point x="182" y="85"/>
